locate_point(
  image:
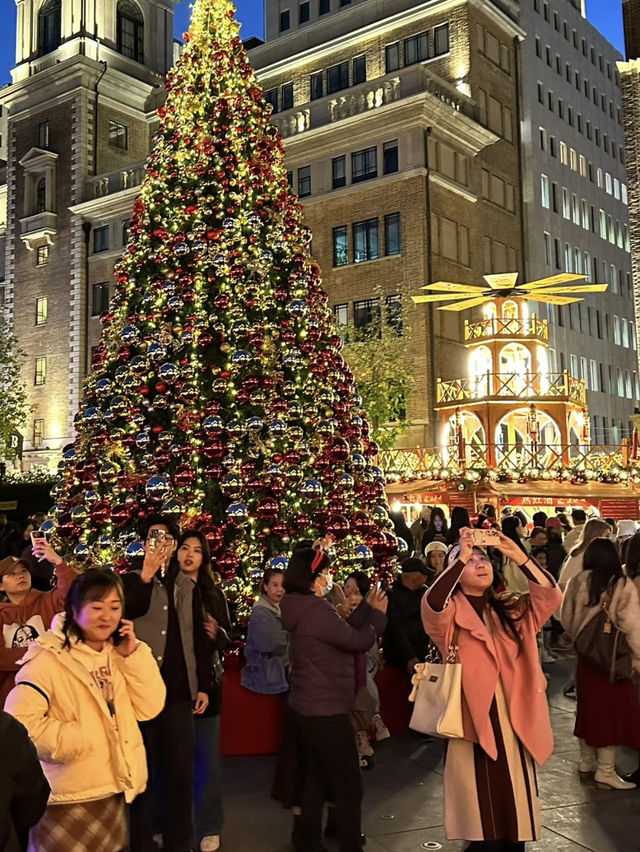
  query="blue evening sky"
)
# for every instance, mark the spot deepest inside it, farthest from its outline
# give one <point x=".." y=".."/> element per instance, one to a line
<point x="606" y="15"/>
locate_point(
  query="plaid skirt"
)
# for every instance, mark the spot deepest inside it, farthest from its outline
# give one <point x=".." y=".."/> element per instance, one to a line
<point x="96" y="826"/>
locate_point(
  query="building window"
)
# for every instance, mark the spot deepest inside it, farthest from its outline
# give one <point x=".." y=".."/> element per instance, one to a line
<point x="544" y="191"/>
<point x="100" y="301"/>
<point x="130" y="31"/>
<point x="38" y="433"/>
<point x="593" y="370"/>
<point x="287" y="96"/>
<point x="366" y="312"/>
<point x="42" y="255"/>
<point x="49" y="26"/>
<point x="416" y="48"/>
<point x="303" y="13"/>
<point x="366" y="245"/>
<point x="394" y="313"/>
<point x="41" y="371"/>
<point x="392" y="57"/>
<point x="290" y="179"/>
<point x="41" y="195"/>
<point x="101" y="239"/>
<point x="317" y="89"/>
<point x="341" y="315"/>
<point x="43" y="135"/>
<point x="325" y="6"/>
<point x="364" y="165"/>
<point x="441" y="40"/>
<point x="359" y="70"/>
<point x="338" y="77"/>
<point x="340" y="247"/>
<point x="392" y="235"/>
<point x="272" y="97"/>
<point x="42" y="310"/>
<point x="339" y="170"/>
<point x="285" y="21"/>
<point x="304" y="181"/>
<point x="547" y="248"/>
<point x="390" y="156"/>
<point x="118" y="135"/>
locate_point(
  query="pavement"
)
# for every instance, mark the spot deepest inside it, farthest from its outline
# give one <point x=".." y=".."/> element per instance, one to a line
<point x="403" y="805"/>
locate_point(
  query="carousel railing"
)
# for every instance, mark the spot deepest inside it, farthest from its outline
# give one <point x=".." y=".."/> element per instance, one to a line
<point x="497" y="327"/>
<point x="513" y="386"/>
<point x="432" y="463"/>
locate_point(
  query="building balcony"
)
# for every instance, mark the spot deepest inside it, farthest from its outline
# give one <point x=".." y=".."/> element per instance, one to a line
<point x="527" y="387"/>
<point x="111" y="183"/>
<point x="39" y="230"/>
<point x="494" y="327"/>
<point x="369" y="96"/>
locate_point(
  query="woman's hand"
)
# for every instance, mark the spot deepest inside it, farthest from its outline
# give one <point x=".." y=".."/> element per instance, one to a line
<point x="155" y="559"/>
<point x="211" y="627"/>
<point x="466" y="544"/>
<point x="377" y="599"/>
<point x="128" y="642"/>
<point x="43" y="551"/>
<point x="202" y="702"/>
<point x="510" y="549"/>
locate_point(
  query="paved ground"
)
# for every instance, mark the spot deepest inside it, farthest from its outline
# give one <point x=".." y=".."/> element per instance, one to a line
<point x="403" y="809"/>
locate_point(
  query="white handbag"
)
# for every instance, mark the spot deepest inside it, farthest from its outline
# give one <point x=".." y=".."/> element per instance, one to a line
<point x="437" y="695"/>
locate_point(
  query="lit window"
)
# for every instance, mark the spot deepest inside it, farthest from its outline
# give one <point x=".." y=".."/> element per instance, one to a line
<point x="41" y="371"/>
<point x="42" y="255"/>
<point x="38" y="433"/>
<point x="118" y="135"/>
<point x="42" y="310"/>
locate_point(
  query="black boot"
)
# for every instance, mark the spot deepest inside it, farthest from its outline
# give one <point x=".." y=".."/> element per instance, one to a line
<point x="633" y="777"/>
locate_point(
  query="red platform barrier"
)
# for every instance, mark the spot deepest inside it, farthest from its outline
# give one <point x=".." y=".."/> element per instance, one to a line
<point x="252" y="723"/>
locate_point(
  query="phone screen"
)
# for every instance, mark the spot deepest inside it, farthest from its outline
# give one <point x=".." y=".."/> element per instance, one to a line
<point x="37" y="535"/>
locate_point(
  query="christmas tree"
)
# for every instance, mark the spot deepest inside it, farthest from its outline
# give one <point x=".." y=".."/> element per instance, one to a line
<point x="219" y="393"/>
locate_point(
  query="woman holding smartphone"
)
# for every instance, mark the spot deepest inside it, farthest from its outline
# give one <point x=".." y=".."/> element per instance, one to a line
<point x="80" y="696"/>
<point x="490" y="785"/>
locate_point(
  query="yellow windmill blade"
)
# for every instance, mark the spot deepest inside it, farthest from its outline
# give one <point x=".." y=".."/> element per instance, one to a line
<point x="551" y="300"/>
<point x="553" y="280"/>
<point x="504" y="281"/>
<point x="452" y="287"/>
<point x="440" y="297"/>
<point x="575" y="288"/>
<point x="464" y="305"/>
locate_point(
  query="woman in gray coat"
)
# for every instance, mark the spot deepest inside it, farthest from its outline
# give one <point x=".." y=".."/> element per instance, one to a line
<point x="266" y="651"/>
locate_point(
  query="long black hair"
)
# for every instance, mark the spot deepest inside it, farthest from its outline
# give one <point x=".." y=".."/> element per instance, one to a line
<point x="603" y="560"/>
<point x="300" y="575"/>
<point x="632" y="560"/>
<point x="207" y="586"/>
<point x="509" y="527"/>
<point x="94" y="584"/>
<point x="459" y="519"/>
<point x="432" y="532"/>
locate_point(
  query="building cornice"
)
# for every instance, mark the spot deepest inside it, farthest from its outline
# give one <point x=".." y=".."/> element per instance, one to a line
<point x="630" y="66"/>
<point x="421" y="110"/>
<point x="106" y="206"/>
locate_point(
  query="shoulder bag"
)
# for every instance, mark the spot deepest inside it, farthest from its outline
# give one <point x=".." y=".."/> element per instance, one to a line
<point x="604" y="647"/>
<point x="437" y="694"/>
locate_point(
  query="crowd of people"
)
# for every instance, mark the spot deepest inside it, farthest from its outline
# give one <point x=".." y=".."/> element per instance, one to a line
<point x="118" y="680"/>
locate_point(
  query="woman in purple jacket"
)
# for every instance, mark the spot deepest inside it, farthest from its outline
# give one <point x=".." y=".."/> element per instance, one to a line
<point x="323" y="685"/>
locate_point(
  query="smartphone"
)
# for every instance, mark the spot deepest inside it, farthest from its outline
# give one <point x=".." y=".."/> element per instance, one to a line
<point x="485" y="538"/>
<point x="38" y="535"/>
<point x="156" y="537"/>
<point x="116" y="636"/>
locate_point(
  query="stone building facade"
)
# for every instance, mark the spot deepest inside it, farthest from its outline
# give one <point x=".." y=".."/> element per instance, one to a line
<point x="576" y="210"/>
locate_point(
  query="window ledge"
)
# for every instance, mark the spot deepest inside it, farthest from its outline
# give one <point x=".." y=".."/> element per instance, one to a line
<point x="38" y="230"/>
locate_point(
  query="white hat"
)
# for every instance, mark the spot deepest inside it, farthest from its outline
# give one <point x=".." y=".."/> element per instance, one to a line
<point x="436" y="545"/>
<point x="626" y="529"/>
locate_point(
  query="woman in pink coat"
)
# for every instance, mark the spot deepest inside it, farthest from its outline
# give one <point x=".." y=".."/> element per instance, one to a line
<point x="490" y="785"/>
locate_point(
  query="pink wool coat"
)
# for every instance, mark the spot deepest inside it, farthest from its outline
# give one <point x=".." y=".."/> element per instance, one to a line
<point x="485" y="654"/>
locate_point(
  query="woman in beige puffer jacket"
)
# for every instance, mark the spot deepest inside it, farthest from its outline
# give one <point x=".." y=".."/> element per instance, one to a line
<point x="80" y="698"/>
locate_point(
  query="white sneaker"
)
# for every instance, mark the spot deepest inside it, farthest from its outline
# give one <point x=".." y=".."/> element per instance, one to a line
<point x="548" y="657"/>
<point x="380" y="729"/>
<point x="211" y="843"/>
<point x="363" y="745"/>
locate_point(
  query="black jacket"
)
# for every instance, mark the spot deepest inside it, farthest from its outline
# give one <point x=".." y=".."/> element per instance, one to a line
<point x="404" y="637"/>
<point x="24" y="790"/>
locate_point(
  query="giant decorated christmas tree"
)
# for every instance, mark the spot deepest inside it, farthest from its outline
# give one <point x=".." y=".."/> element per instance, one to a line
<point x="219" y="393"/>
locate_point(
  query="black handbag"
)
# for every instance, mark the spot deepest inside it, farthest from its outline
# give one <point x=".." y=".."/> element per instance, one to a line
<point x="604" y="647"/>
